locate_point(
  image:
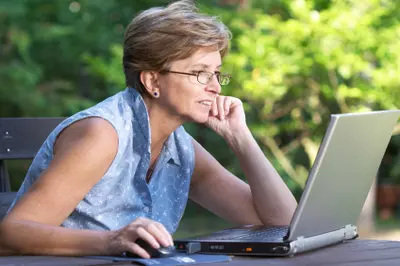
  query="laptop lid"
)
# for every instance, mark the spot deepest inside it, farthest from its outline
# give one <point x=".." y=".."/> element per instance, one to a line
<point x="342" y="174"/>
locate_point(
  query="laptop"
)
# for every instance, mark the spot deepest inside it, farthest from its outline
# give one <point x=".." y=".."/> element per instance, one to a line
<point x="336" y="189"/>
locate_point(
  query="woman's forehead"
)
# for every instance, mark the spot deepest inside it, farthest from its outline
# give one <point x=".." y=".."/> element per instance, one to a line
<point x="204" y="58"/>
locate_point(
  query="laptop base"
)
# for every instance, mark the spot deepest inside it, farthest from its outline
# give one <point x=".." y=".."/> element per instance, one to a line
<point x="265" y="248"/>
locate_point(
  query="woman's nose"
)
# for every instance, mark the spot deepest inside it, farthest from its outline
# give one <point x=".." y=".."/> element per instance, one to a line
<point x="214" y="85"/>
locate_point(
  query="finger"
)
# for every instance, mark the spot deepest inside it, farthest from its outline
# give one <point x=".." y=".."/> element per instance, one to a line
<point x="146" y="236"/>
<point x="162" y="228"/>
<point x="158" y="234"/>
<point x="214" y="109"/>
<point x="220" y="105"/>
<point x="227" y="105"/>
<point x="138" y="250"/>
<point x="141" y="221"/>
<point x="235" y="102"/>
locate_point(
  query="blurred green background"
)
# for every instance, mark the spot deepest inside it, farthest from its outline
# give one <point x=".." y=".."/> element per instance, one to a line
<point x="293" y="64"/>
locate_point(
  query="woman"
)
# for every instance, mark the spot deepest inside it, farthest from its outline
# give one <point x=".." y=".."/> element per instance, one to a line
<point x="124" y="169"/>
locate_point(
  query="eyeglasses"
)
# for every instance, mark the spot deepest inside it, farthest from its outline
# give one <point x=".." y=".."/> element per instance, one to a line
<point x="205" y="77"/>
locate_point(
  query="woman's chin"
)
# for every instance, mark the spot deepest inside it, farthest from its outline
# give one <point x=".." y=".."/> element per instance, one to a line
<point x="200" y="119"/>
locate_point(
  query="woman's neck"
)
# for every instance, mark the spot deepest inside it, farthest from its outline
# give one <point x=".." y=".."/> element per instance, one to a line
<point x="162" y="124"/>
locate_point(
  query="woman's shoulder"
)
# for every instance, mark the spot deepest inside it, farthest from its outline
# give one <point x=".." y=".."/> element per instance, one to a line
<point x="113" y="109"/>
<point x="184" y="145"/>
<point x="182" y="136"/>
<point x="92" y="133"/>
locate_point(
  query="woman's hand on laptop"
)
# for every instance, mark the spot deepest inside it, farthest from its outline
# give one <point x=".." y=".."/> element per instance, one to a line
<point x="123" y="240"/>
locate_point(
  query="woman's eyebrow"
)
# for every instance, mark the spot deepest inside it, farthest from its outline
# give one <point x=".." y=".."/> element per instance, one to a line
<point x="204" y="65"/>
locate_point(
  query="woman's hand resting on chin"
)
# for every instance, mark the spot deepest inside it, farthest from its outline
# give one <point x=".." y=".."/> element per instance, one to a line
<point x="226" y="116"/>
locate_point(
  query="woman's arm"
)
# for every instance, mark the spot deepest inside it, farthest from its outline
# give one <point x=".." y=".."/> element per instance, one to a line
<point x="32" y="238"/>
<point x="273" y="201"/>
<point x="24" y="237"/>
<point x="82" y="154"/>
<point x="265" y="200"/>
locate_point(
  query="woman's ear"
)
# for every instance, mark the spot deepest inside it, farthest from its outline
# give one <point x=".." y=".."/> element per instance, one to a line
<point x="150" y="83"/>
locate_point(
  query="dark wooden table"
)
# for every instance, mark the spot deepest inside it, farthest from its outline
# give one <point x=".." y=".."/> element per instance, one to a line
<point x="353" y="253"/>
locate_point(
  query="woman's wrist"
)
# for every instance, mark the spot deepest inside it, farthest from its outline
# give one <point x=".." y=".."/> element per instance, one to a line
<point x="239" y="140"/>
<point x="110" y="247"/>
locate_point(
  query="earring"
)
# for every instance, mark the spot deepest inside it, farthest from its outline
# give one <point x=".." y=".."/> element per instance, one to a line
<point x="155" y="94"/>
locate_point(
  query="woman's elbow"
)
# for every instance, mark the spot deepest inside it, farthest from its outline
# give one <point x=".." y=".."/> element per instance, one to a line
<point x="5" y="250"/>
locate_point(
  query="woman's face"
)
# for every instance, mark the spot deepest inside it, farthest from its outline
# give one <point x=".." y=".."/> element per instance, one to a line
<point x="182" y="95"/>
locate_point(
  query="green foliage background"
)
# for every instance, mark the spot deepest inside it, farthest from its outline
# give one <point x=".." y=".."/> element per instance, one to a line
<point x="293" y="64"/>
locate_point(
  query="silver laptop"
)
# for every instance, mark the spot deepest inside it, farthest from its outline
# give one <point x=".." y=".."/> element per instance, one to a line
<point x="335" y="192"/>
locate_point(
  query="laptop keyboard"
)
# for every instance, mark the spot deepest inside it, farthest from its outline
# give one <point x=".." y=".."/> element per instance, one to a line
<point x="258" y="234"/>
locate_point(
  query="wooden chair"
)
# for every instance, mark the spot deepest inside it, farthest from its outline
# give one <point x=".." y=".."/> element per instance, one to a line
<point x="20" y="138"/>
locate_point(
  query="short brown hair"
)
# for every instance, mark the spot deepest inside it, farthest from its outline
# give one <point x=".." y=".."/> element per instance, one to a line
<point x="158" y="36"/>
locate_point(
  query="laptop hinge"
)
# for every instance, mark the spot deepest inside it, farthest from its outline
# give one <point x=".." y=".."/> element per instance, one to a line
<point x="347" y="230"/>
<point x="302" y="244"/>
<point x="350" y="230"/>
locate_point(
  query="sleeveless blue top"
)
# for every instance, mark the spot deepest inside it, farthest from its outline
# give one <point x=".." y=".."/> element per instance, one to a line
<point x="122" y="194"/>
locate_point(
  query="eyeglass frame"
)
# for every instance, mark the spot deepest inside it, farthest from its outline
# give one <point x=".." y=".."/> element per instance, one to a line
<point x="217" y="74"/>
